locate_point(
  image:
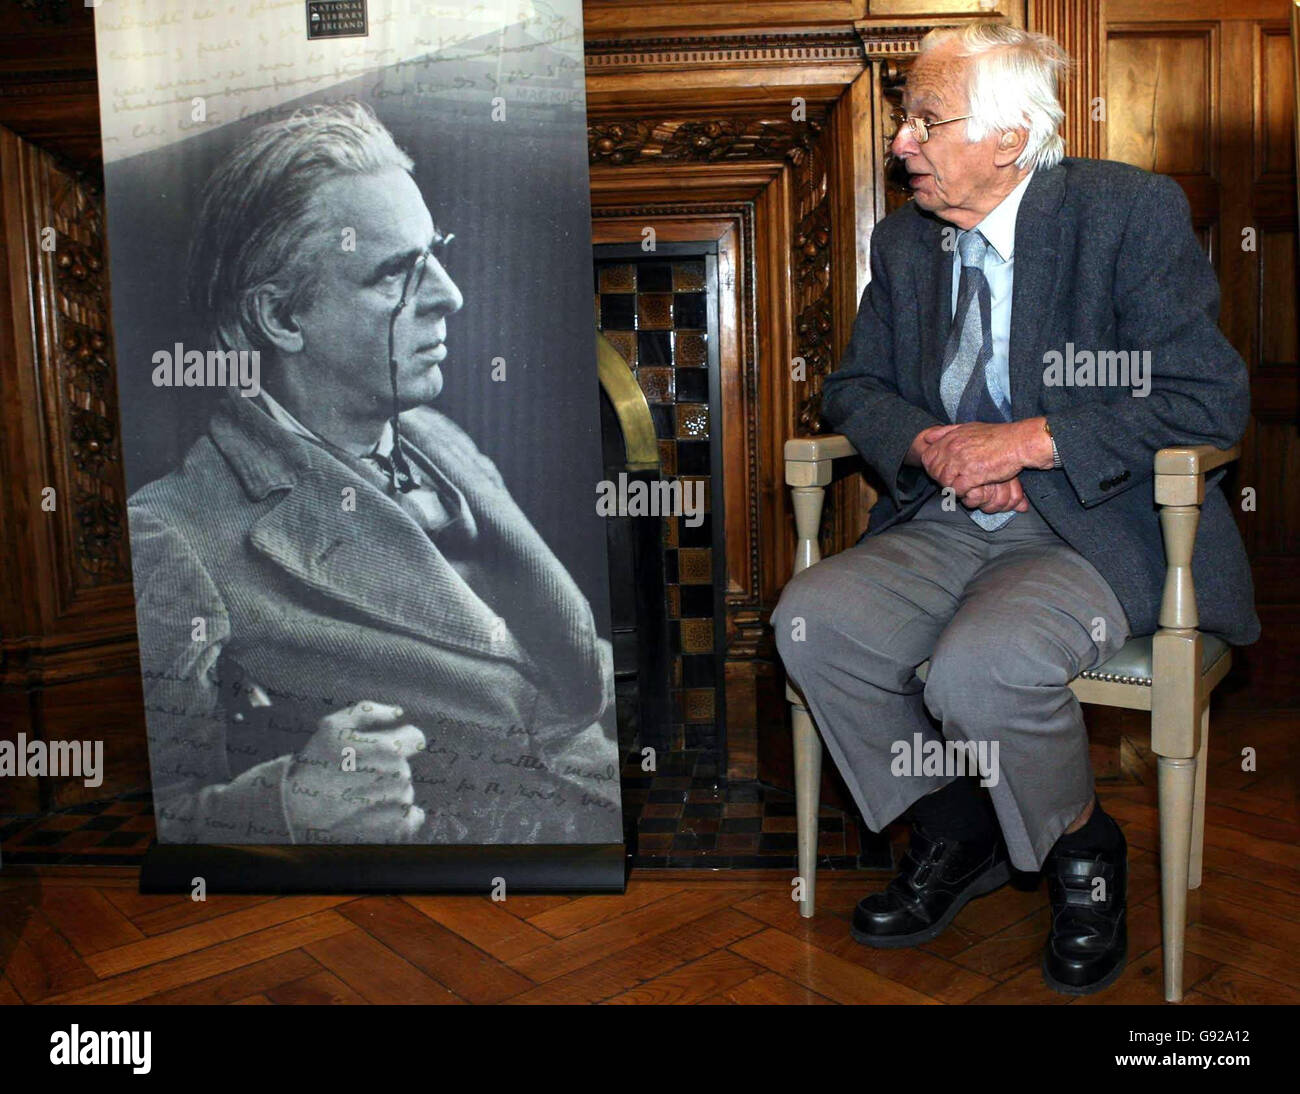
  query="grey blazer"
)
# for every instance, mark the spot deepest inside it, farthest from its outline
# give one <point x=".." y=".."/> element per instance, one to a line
<point x="321" y="604"/>
<point x="1106" y="259"/>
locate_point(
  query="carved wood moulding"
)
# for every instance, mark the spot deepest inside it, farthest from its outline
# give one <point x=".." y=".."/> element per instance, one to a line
<point x="72" y="617"/>
<point x="84" y="364"/>
<point x="1080" y="27"/>
<point x="811" y="255"/>
<point x="622" y="142"/>
<point x="881" y="42"/>
<point x="723" y="51"/>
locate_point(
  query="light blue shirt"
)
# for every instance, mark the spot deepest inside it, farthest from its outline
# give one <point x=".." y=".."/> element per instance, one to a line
<point x="999" y="228"/>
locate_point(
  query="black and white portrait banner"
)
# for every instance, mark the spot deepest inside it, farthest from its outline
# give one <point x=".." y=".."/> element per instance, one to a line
<point x="351" y="288"/>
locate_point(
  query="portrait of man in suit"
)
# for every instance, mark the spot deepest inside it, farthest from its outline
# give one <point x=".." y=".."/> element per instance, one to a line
<point x="349" y="631"/>
<point x="1016" y="542"/>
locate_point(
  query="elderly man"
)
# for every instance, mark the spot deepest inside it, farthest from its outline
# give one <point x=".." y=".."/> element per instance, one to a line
<point x="1016" y="543"/>
<point x="349" y="631"/>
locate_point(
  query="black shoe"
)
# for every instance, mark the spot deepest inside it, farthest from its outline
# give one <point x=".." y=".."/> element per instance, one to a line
<point x="1088" y="942"/>
<point x="939" y="876"/>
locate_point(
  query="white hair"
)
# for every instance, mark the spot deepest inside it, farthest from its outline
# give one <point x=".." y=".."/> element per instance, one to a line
<point x="1013" y="83"/>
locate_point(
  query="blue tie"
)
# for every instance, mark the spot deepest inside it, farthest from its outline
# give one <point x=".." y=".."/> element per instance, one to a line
<point x="964" y="384"/>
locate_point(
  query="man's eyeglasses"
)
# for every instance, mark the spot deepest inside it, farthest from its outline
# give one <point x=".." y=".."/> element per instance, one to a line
<point x="919" y="127"/>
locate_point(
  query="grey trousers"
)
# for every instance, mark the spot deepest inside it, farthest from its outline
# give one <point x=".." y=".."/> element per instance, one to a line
<point x="1006" y="618"/>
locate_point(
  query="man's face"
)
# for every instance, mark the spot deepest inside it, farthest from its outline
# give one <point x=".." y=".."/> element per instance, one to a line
<point x="950" y="176"/>
<point x="345" y="330"/>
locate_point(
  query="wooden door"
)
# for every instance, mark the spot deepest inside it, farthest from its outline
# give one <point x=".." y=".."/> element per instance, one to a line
<point x="1202" y="90"/>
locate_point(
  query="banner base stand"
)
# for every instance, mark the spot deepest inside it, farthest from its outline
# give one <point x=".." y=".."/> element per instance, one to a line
<point x="379" y="868"/>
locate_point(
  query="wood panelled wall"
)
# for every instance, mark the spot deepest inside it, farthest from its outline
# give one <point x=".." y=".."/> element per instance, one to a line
<point x="68" y="667"/>
<point x="1202" y="90"/>
<point x="1080" y="27"/>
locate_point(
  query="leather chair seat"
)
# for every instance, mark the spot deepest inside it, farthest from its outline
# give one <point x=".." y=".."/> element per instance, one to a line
<point x="1132" y="664"/>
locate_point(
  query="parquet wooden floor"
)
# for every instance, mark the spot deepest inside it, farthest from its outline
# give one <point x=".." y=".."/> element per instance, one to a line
<point x="83" y="934"/>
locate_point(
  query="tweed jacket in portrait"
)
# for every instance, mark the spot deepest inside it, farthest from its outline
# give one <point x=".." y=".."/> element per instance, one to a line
<point x="251" y="569"/>
<point x="1106" y="259"/>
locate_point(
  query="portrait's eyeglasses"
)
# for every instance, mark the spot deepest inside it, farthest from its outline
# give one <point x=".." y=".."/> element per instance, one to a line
<point x="399" y="469"/>
<point x="415" y="272"/>
<point x="919" y="127"/>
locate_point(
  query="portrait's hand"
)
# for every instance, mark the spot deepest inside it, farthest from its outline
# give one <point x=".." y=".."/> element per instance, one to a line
<point x="975" y="454"/>
<point x="369" y="801"/>
<point x="997" y="497"/>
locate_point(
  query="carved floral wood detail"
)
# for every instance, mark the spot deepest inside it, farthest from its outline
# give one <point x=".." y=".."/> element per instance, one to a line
<point x="811" y="283"/>
<point x="84" y="369"/>
<point x="622" y="142"/>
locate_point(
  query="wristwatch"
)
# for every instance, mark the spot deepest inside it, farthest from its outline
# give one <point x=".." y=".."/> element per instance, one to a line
<point x="1056" y="454"/>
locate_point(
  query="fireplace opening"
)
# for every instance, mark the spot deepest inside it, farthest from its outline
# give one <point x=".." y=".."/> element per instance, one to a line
<point x="657" y="310"/>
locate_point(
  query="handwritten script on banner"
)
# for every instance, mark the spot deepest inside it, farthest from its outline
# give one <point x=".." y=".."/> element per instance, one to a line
<point x="172" y="68"/>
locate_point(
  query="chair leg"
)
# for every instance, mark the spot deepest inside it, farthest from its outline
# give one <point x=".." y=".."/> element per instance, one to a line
<point x="1177" y="788"/>
<point x="807" y="794"/>
<point x="1198" y="805"/>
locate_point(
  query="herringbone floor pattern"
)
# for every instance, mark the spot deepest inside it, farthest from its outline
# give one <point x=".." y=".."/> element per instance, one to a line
<point x="71" y="934"/>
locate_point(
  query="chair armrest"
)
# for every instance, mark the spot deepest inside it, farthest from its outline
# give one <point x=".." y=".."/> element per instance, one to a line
<point x="1179" y="491"/>
<point x="1193" y="459"/>
<point x="808" y="468"/>
<point x="1180" y="472"/>
<point x="808" y="459"/>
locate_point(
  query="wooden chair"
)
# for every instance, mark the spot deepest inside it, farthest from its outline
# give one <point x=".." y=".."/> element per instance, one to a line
<point x="1170" y="673"/>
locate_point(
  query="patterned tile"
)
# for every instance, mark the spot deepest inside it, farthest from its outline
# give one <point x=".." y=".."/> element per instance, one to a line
<point x="654" y="311"/>
<point x="698" y="704"/>
<point x="692" y="420"/>
<point x="708" y="492"/>
<point x="617" y="278"/>
<point x="625" y="342"/>
<point x="113" y="832"/>
<point x="697" y="635"/>
<point x="695" y="565"/>
<point x="707" y="822"/>
<point x="657" y="383"/>
<point x="689" y="276"/>
<point x="692" y="350"/>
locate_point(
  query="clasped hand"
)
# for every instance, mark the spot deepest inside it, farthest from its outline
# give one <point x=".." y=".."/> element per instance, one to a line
<point x="981" y="461"/>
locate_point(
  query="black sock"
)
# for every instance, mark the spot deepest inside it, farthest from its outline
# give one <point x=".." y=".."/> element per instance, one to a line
<point x="957" y="811"/>
<point x="1100" y="833"/>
